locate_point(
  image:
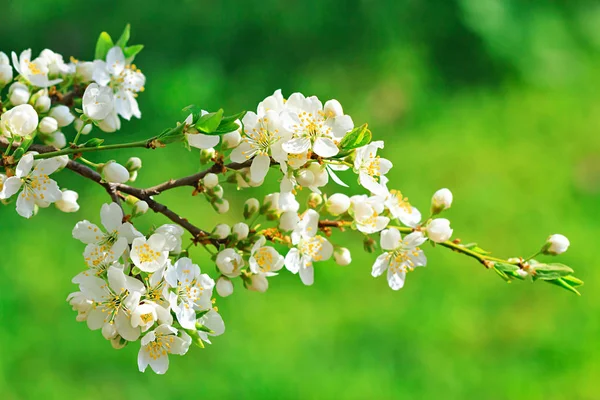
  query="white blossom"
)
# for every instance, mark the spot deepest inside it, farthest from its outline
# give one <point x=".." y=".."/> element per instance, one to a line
<point x="158" y="344"/>
<point x="441" y="200"/>
<point x="309" y="247"/>
<point x="124" y="79"/>
<point x="370" y="167"/>
<point x="34" y="71"/>
<point x="191" y="291"/>
<point x="229" y="262"/>
<point x="33" y="178"/>
<point x="224" y="286"/>
<point x="367" y="213"/>
<point x="337" y="204"/>
<point x="241" y="230"/>
<point x="62" y="115"/>
<point x="172" y="234"/>
<point x="265" y="260"/>
<point x="21" y="120"/>
<point x="399" y="206"/>
<point x="18" y="94"/>
<point x="400" y="256"/>
<point x="6" y="71"/>
<point x="48" y="125"/>
<point x="149" y="254"/>
<point x="98" y="101"/>
<point x="342" y="256"/>
<point x="115" y="173"/>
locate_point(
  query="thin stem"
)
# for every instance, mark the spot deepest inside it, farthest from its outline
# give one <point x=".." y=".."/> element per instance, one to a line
<point x="88" y="162"/>
<point x="142" y="143"/>
<point x="79" y="133"/>
<point x="11" y="140"/>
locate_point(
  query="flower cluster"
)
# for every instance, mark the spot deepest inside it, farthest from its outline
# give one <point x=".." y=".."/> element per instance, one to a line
<point x="144" y="286"/>
<point x="137" y="288"/>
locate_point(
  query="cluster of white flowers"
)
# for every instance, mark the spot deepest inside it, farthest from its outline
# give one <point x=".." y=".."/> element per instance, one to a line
<point x="138" y="288"/>
<point x="144" y="287"/>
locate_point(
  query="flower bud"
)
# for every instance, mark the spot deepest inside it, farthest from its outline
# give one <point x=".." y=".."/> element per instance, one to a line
<point x="43" y="103"/>
<point x="98" y="101"/>
<point x="224" y="286"/>
<point x="229" y="262"/>
<point x="206" y="155"/>
<point x="321" y="175"/>
<point x="68" y="202"/>
<point x="231" y="140"/>
<point x="221" y="231"/>
<point x="337" y="204"/>
<point x="48" y="125"/>
<point x="288" y="221"/>
<point x="241" y="230"/>
<point x="315" y="200"/>
<point x="220" y="205"/>
<point x="305" y="178"/>
<point x="109" y="331"/>
<point x="342" y="256"/>
<point x="133" y="164"/>
<point x="217" y="192"/>
<point x="251" y="206"/>
<point x="62" y="115"/>
<point x="18" y="94"/>
<point x="210" y="180"/>
<point x="57" y="139"/>
<point x="118" y="342"/>
<point x="133" y="176"/>
<point x="21" y="120"/>
<point x="556" y="244"/>
<point x="369" y="244"/>
<point x="115" y="173"/>
<point x="6" y="71"/>
<point x="79" y="126"/>
<point x="257" y="283"/>
<point x="439" y="230"/>
<point x="141" y="207"/>
<point x="441" y="200"/>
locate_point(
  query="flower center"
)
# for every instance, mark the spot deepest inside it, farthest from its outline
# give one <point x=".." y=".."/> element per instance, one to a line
<point x="160" y="346"/>
<point x="147" y="254"/>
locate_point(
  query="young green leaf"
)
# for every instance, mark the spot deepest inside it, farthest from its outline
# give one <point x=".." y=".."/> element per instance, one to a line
<point x="122" y="42"/>
<point x="132" y="51"/>
<point x="357" y="137"/>
<point x="233" y="118"/>
<point x="562" y="282"/>
<point x="551" y="271"/>
<point x="103" y="45"/>
<point x="208" y="123"/>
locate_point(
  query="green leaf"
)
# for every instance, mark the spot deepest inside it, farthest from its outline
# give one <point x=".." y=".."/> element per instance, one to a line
<point x="132" y="51"/>
<point x="571" y="280"/>
<point x="208" y="123"/>
<point x="505" y="267"/>
<point x="94" y="142"/>
<point x="562" y="282"/>
<point x="501" y="274"/>
<point x="226" y="128"/>
<point x="103" y="45"/>
<point x="357" y="137"/>
<point x="233" y="118"/>
<point x="551" y="271"/>
<point x="122" y="42"/>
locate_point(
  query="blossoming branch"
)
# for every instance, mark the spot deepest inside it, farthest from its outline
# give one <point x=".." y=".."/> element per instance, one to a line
<point x="142" y="286"/>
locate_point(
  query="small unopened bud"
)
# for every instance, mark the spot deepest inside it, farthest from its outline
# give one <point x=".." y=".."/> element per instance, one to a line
<point x="314" y="200"/>
<point x="68" y="202"/>
<point x="224" y="286"/>
<point x="220" y="205"/>
<point x="18" y="94"/>
<point x="115" y="173"/>
<point x="141" y="207"/>
<point x="62" y="115"/>
<point x="241" y="230"/>
<point x="337" y="204"/>
<point x="257" y="283"/>
<point x="251" y="207"/>
<point x="48" y="125"/>
<point x="556" y="244"/>
<point x="441" y="200"/>
<point x="79" y="126"/>
<point x="42" y="104"/>
<point x="221" y="231"/>
<point x="342" y="256"/>
<point x="217" y="192"/>
<point x="206" y="155"/>
<point x="57" y="139"/>
<point x="439" y="230"/>
<point x="133" y="164"/>
<point x="210" y="180"/>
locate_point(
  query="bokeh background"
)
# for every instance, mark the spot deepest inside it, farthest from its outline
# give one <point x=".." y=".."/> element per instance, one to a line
<point x="496" y="100"/>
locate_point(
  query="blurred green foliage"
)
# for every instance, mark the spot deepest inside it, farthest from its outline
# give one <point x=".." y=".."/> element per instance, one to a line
<point x="495" y="99"/>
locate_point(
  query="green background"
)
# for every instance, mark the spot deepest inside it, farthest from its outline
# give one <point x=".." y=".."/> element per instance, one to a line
<point x="496" y="100"/>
